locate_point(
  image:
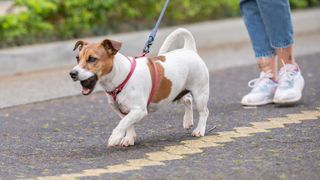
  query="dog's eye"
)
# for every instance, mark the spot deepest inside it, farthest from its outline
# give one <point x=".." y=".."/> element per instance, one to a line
<point x="78" y="59"/>
<point x="91" y="59"/>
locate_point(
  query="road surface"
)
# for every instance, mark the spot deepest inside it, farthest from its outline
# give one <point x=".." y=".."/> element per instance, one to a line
<point x="66" y="138"/>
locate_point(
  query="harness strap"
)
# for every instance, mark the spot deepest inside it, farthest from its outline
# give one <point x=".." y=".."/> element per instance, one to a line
<point x="154" y="82"/>
<point x="116" y="91"/>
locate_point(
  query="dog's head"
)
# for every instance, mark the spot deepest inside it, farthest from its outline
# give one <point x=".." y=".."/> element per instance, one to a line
<point x="94" y="61"/>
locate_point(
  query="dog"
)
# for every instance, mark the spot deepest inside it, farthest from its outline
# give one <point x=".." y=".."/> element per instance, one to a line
<point x="138" y="86"/>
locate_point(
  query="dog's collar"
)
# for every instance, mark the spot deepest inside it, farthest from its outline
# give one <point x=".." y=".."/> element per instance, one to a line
<point x="118" y="89"/>
<point x="154" y="80"/>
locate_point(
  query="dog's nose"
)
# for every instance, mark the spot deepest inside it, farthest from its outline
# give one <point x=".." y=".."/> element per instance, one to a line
<point x="74" y="74"/>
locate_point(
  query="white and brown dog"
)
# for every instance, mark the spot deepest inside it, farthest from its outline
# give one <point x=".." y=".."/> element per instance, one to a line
<point x="136" y="87"/>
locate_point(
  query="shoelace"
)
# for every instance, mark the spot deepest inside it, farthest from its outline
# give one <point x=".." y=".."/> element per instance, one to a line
<point x="286" y="75"/>
<point x="255" y="82"/>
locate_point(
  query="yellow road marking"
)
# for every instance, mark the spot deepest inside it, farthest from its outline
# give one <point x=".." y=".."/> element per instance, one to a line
<point x="249" y="130"/>
<point x="187" y="147"/>
<point x="162" y="156"/>
<point x="301" y="117"/>
<point x="284" y="120"/>
<point x="144" y="162"/>
<point x="311" y="113"/>
<point x="216" y="139"/>
<point x="199" y="144"/>
<point x="267" y="125"/>
<point x="181" y="149"/>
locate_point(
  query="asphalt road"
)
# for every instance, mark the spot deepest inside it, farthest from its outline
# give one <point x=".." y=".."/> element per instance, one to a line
<point x="67" y="136"/>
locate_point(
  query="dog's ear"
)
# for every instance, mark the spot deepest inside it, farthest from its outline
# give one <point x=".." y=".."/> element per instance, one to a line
<point x="79" y="44"/>
<point x="111" y="46"/>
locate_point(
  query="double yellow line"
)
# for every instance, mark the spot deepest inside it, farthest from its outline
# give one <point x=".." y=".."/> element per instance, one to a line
<point x="185" y="148"/>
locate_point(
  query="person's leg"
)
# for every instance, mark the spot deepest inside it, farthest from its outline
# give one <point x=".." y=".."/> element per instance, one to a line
<point x="263" y="87"/>
<point x="285" y="55"/>
<point x="277" y="19"/>
<point x="268" y="65"/>
<point x="264" y="53"/>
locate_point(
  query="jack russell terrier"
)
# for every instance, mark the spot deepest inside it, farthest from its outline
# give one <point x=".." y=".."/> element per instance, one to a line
<point x="136" y="86"/>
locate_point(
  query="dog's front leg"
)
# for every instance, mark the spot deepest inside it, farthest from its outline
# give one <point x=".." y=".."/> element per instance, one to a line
<point x="118" y="133"/>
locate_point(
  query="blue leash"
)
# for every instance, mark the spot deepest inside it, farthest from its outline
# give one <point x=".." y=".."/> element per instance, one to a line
<point x="153" y="33"/>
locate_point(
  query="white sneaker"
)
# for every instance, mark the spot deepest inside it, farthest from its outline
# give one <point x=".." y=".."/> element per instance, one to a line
<point x="262" y="92"/>
<point x="291" y="84"/>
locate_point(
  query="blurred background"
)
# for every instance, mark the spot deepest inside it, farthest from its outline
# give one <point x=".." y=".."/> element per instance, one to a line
<point x="25" y="22"/>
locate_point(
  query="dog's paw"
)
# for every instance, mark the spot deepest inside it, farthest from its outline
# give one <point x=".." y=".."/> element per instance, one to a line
<point x="198" y="132"/>
<point x="115" y="139"/>
<point x="127" y="141"/>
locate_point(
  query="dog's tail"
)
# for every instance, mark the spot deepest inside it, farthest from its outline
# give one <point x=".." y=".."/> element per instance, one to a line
<point x="189" y="42"/>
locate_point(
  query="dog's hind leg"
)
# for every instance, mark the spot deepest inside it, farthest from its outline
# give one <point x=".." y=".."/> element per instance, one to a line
<point x="188" y="114"/>
<point x="201" y="96"/>
<point x="129" y="138"/>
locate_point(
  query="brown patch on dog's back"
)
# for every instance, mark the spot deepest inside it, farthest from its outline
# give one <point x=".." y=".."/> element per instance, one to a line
<point x="164" y="84"/>
<point x="158" y="58"/>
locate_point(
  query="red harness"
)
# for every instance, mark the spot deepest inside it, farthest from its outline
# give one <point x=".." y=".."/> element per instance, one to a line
<point x="117" y="90"/>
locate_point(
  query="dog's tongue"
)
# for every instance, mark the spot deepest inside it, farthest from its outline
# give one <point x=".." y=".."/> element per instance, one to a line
<point x="85" y="90"/>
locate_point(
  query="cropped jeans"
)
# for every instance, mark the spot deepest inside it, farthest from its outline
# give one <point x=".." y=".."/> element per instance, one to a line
<point x="269" y="25"/>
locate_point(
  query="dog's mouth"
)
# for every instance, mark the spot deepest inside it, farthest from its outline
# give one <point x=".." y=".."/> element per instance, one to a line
<point x="89" y="84"/>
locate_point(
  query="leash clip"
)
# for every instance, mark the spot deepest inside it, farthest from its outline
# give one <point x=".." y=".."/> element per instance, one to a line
<point x="146" y="48"/>
<point x="153" y="33"/>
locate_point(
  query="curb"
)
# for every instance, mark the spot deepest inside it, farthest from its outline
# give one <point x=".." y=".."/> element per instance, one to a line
<point x="227" y="35"/>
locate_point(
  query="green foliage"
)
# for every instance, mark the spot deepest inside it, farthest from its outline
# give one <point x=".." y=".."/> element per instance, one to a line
<point x="50" y="20"/>
<point x="304" y="3"/>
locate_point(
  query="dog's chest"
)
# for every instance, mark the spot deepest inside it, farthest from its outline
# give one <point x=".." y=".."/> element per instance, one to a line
<point x="119" y="106"/>
<point x="123" y="109"/>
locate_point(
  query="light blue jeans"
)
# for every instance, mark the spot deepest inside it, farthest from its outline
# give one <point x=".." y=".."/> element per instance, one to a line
<point x="269" y="25"/>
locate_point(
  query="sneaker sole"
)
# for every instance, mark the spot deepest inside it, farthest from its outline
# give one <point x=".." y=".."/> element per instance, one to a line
<point x="290" y="101"/>
<point x="257" y="104"/>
